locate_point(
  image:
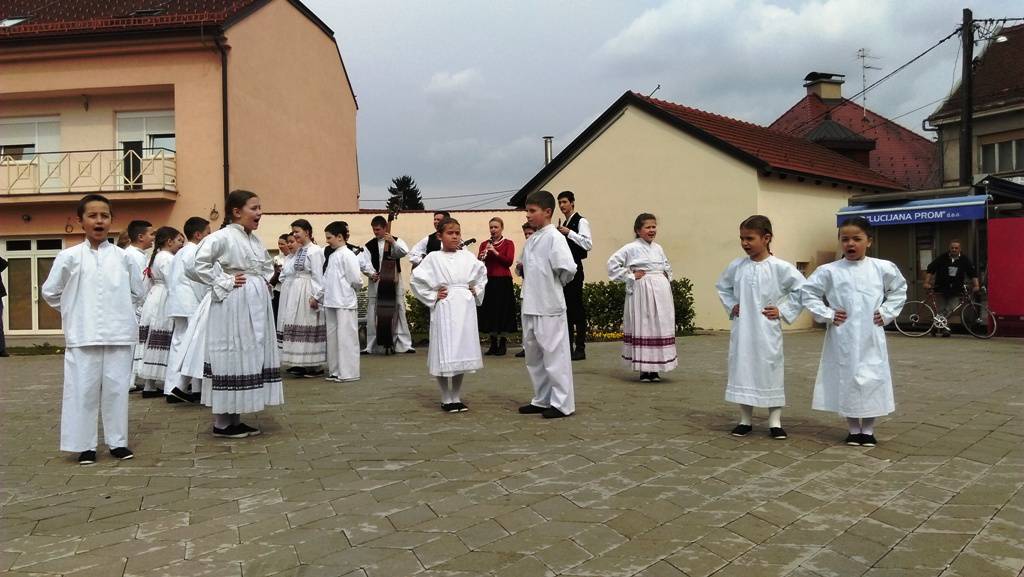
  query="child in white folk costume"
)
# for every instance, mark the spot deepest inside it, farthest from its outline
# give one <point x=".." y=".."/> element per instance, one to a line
<point x="140" y="241"/>
<point x="284" y="281"/>
<point x="283" y="249"/>
<point x="649" y="315"/>
<point x="757" y="291"/>
<point x="864" y="294"/>
<point x="183" y="297"/>
<point x="96" y="287"/>
<point x="528" y="230"/>
<point x="157" y="327"/>
<point x="342" y="282"/>
<point x="547" y="267"/>
<point x="230" y="340"/>
<point x="303" y="326"/>
<point x="451" y="283"/>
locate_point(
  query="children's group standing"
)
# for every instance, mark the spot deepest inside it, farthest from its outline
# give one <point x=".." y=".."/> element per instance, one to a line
<point x="196" y="323"/>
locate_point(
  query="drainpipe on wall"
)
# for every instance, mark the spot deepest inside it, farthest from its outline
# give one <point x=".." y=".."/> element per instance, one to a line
<point x="219" y="41"/>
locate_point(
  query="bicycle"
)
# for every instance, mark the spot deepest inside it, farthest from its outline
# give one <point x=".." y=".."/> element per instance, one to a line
<point x="918" y="318"/>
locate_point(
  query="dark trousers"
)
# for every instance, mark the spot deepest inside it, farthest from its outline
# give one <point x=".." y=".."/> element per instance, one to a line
<point x="3" y="342"/>
<point x="575" y="313"/>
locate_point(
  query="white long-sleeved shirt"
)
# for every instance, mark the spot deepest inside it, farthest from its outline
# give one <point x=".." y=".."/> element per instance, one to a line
<point x="419" y="250"/>
<point x="547" y="267"/>
<point x="97" y="292"/>
<point x="141" y="260"/>
<point x="341" y="281"/>
<point x="183" y="293"/>
<point x="227" y="252"/>
<point x="637" y="255"/>
<point x="583" y="238"/>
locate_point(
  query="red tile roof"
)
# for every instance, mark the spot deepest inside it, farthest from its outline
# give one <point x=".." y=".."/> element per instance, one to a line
<point x="777" y="150"/>
<point x="998" y="76"/>
<point x="62" y="18"/>
<point x="900" y="154"/>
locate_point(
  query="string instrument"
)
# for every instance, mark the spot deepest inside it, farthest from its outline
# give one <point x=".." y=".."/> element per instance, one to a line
<point x="387" y="295"/>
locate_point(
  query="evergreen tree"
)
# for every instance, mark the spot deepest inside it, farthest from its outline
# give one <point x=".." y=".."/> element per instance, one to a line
<point x="405" y="195"/>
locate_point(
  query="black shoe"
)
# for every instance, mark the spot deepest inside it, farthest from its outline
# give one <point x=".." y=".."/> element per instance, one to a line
<point x="87" y="457"/>
<point x="553" y="413"/>
<point x="135" y="389"/>
<point x="853" y="439"/>
<point x="195" y="398"/>
<point x="579" y="355"/>
<point x="364" y="352"/>
<point x="531" y="409"/>
<point x="450" y="407"/>
<point x="172" y="399"/>
<point x="4" y="354"/>
<point x="122" y="453"/>
<point x="250" y="431"/>
<point x="655" y="378"/>
<point x="180" y="396"/>
<point x="152" y="394"/>
<point x="777" y="433"/>
<point x="502" y="347"/>
<point x="410" y="352"/>
<point x="460" y="407"/>
<point x="741" y="430"/>
<point x="493" y="348"/>
<point x="868" y="441"/>
<point x="314" y="374"/>
<point x="297" y="371"/>
<point x="230" y="432"/>
<point x="521" y="354"/>
<point x="645" y="377"/>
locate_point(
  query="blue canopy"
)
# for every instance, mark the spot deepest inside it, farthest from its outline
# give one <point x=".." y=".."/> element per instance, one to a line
<point x="917" y="211"/>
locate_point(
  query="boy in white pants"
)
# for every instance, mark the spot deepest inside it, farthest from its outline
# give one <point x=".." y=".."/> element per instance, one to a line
<point x="342" y="280"/>
<point x="96" y="287"/>
<point x="547" y="267"/>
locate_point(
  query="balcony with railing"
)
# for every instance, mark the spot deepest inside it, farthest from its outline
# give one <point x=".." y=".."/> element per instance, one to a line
<point x="140" y="173"/>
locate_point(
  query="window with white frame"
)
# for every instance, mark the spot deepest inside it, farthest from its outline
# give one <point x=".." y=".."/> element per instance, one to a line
<point x="22" y="138"/>
<point x="151" y="131"/>
<point x="1002" y="157"/>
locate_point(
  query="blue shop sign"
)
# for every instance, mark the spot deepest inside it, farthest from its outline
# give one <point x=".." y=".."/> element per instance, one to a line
<point x="918" y="211"/>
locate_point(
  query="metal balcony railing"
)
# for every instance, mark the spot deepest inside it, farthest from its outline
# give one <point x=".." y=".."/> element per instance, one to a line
<point x="84" y="171"/>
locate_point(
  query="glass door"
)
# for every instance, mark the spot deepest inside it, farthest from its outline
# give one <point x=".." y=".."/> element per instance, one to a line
<point x="29" y="263"/>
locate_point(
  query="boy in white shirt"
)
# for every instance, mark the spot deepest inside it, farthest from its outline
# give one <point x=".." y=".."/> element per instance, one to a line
<point x="337" y="295"/>
<point x="548" y="266"/>
<point x="140" y="239"/>
<point x="96" y="287"/>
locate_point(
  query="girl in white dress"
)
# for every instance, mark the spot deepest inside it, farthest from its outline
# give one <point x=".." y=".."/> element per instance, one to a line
<point x="863" y="294"/>
<point x="649" y="315"/>
<point x="757" y="291"/>
<point x="303" y="324"/>
<point x="231" y="337"/>
<point x="450" y="282"/>
<point x="156" y="328"/>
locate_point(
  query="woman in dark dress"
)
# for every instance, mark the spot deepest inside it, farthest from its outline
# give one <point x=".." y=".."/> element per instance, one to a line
<point x="497" y="316"/>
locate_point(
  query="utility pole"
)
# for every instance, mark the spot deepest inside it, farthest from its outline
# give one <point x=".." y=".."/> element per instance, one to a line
<point x="967" y="100"/>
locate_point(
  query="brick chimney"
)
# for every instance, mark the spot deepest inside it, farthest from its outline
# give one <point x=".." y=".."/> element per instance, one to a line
<point x="826" y="85"/>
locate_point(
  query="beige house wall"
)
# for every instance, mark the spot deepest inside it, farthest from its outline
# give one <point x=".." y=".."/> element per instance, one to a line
<point x="699" y="194"/>
<point x="984" y="128"/>
<point x="293" y="114"/>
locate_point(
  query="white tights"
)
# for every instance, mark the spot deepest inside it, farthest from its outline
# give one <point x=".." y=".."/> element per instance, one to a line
<point x="864" y="426"/>
<point x="450" y="393"/>
<point x="225" y="420"/>
<point x="774" y="416"/>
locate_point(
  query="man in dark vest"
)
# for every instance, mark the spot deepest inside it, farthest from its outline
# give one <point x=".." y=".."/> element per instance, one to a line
<point x="369" y="263"/>
<point x="429" y="243"/>
<point x="577" y="232"/>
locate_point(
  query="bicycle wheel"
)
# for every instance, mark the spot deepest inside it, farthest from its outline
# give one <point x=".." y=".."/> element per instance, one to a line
<point x="978" y="320"/>
<point x="915" y="319"/>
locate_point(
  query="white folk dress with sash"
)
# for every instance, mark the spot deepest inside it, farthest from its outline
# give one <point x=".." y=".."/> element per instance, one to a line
<point x="756" y="361"/>
<point x="183" y="298"/>
<point x="156" y="328"/>
<point x="854" y="378"/>
<point x="230" y="341"/>
<point x="649" y="315"/>
<point x="454" y="340"/>
<point x="303" y="328"/>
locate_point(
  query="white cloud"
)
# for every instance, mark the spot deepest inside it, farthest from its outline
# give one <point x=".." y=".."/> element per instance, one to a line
<point x="451" y="83"/>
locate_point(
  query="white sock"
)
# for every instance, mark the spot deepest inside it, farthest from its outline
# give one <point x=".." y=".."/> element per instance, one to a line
<point x="222" y="420"/>
<point x="746" y="414"/>
<point x="775" y="417"/>
<point x="457" y="388"/>
<point x="442" y="382"/>
<point x="854" y="425"/>
<point x="867" y="426"/>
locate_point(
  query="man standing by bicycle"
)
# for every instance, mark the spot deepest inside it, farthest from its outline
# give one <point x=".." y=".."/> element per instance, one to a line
<point x="946" y="278"/>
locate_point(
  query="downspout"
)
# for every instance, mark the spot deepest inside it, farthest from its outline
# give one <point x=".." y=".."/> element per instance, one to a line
<point x="219" y="41"/>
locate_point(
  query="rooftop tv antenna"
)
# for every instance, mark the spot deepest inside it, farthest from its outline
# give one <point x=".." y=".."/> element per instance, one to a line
<point x="864" y="55"/>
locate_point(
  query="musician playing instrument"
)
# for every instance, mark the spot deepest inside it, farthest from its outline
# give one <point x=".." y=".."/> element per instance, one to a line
<point x="384" y="246"/>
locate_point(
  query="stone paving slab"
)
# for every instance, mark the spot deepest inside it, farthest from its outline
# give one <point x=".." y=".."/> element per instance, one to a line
<point x="370" y="479"/>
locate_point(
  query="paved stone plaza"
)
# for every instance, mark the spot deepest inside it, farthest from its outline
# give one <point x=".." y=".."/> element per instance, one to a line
<point x="371" y="479"/>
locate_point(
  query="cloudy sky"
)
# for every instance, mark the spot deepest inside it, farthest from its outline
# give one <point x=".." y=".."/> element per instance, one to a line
<point x="458" y="93"/>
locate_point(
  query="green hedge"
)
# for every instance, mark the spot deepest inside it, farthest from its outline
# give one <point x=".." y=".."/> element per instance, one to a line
<point x="604" y="301"/>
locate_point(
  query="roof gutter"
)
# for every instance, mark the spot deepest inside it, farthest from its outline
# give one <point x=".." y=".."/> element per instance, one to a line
<point x="223" y="49"/>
